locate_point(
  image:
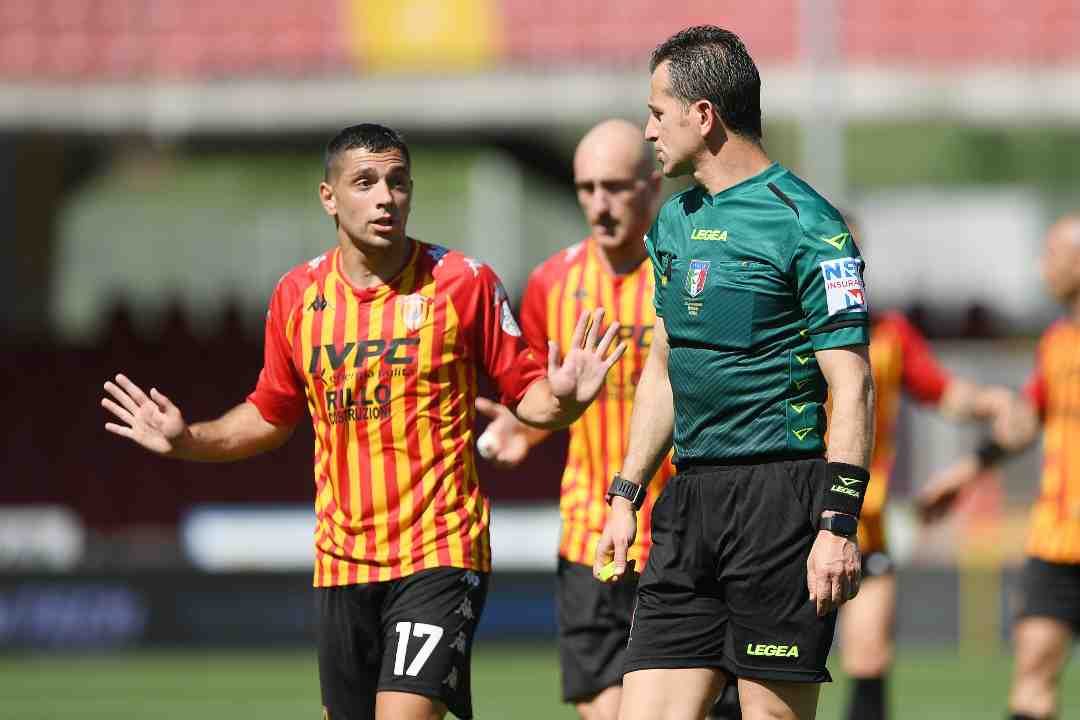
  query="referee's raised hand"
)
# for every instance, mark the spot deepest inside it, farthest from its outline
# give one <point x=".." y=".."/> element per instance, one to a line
<point x="833" y="571"/>
<point x="151" y="421"/>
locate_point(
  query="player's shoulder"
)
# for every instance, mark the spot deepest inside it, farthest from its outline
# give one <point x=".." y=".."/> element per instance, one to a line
<point x="1060" y="329"/>
<point x="453" y="268"/>
<point x="298" y="279"/>
<point x="555" y="266"/>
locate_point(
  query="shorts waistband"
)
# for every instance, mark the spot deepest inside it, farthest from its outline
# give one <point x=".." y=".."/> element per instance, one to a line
<point x="722" y="463"/>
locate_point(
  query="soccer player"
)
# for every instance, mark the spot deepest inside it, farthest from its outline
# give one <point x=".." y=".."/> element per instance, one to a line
<point x="618" y="189"/>
<point x="381" y="339"/>
<point x="1048" y="614"/>
<point x="761" y="310"/>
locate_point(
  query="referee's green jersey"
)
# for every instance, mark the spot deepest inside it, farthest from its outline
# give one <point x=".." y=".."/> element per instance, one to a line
<point x="750" y="282"/>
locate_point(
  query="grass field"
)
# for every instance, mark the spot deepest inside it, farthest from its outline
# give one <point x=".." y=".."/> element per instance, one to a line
<point x="518" y="682"/>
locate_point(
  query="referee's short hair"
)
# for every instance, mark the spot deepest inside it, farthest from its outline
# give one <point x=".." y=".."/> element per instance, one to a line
<point x="365" y="136"/>
<point x="706" y="62"/>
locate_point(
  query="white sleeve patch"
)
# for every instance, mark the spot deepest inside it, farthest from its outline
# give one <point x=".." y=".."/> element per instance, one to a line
<point x="844" y="288"/>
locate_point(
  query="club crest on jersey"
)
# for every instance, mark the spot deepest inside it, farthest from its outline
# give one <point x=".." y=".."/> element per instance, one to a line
<point x="413" y="310"/>
<point x="696" y="275"/>
<point x="844" y="288"/>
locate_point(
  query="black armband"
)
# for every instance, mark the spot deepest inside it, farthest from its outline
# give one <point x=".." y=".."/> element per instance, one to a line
<point x="989" y="453"/>
<point x="846" y="488"/>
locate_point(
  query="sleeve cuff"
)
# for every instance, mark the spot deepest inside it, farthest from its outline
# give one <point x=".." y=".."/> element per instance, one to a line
<point x="841" y="337"/>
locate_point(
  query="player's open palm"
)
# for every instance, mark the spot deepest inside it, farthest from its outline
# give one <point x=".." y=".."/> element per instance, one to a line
<point x="149" y="420"/>
<point x="581" y="375"/>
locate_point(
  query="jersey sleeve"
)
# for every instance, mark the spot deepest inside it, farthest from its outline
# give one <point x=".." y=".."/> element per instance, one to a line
<point x="279" y="392"/>
<point x="661" y="264"/>
<point x="534" y="315"/>
<point x="923" y="377"/>
<point x="828" y="277"/>
<point x="1035" y="388"/>
<point x="497" y="339"/>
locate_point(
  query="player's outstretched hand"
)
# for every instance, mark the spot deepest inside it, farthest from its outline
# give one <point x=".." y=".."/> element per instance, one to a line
<point x="619" y="533"/>
<point x="505" y="441"/>
<point x="582" y="373"/>
<point x="833" y="571"/>
<point x="149" y="420"/>
<point x="937" y="498"/>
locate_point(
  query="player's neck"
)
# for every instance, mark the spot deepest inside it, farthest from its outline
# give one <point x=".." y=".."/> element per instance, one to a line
<point x="729" y="162"/>
<point x="621" y="259"/>
<point x="369" y="267"/>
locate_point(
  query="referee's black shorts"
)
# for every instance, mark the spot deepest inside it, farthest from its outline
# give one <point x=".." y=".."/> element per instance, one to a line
<point x="725" y="584"/>
<point x="594" y="625"/>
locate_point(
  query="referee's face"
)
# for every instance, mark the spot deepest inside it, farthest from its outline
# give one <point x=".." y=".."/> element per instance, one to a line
<point x="675" y="140"/>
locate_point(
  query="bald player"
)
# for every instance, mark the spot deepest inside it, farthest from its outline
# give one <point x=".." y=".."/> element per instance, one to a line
<point x="619" y="192"/>
<point x="1048" y="612"/>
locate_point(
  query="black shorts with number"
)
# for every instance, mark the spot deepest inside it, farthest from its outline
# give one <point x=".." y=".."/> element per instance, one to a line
<point x="413" y="634"/>
<point x="725" y="584"/>
<point x="1050" y="590"/>
<point x="594" y="625"/>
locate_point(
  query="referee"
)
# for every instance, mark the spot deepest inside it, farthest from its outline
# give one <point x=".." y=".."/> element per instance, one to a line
<point x="761" y="312"/>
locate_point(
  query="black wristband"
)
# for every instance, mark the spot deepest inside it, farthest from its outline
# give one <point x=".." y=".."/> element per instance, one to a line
<point x="846" y="489"/>
<point x="989" y="453"/>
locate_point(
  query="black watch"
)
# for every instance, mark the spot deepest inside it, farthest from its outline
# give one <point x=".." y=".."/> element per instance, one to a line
<point x="621" y="487"/>
<point x="844" y="525"/>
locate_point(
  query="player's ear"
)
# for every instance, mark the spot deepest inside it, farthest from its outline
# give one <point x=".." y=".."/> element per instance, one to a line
<point x="703" y="114"/>
<point x="326" y="197"/>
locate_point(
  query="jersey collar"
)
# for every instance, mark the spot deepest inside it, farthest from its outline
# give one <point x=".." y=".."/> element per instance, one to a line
<point x="764" y="177"/>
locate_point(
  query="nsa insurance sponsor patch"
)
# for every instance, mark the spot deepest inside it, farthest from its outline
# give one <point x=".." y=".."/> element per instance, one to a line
<point x="844" y="287"/>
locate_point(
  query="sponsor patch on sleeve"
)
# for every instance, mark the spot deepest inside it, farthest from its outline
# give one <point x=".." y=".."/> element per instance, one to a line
<point x="844" y="288"/>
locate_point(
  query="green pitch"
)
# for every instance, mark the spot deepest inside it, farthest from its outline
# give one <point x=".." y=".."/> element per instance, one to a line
<point x="519" y="682"/>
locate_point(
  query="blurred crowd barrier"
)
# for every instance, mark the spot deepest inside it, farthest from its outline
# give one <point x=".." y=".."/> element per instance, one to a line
<point x="95" y="40"/>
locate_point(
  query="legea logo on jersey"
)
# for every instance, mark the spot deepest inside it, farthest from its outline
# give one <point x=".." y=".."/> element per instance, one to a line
<point x="696" y="275"/>
<point x="708" y="234"/>
<point x="844" y="289"/>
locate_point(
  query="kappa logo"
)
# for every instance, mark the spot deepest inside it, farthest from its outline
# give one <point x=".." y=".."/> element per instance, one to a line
<point x="696" y="275"/>
<point x="837" y="241"/>
<point x="705" y="234"/>
<point x="318" y="304"/>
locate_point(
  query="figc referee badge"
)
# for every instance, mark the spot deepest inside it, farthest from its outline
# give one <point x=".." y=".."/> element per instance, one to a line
<point x="696" y="275"/>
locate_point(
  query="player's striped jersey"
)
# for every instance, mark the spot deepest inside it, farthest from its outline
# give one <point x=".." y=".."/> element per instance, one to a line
<point x="901" y="361"/>
<point x="389" y="376"/>
<point x="1054" y="389"/>
<point x="568" y="283"/>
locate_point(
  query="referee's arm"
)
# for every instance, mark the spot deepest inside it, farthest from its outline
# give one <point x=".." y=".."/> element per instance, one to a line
<point x="834" y="566"/>
<point x="651" y="425"/>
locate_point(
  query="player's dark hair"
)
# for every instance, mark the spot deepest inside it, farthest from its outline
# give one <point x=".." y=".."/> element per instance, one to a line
<point x="365" y="136"/>
<point x="706" y="62"/>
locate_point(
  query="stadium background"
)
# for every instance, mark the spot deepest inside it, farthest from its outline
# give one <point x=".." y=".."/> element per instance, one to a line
<point x="160" y="160"/>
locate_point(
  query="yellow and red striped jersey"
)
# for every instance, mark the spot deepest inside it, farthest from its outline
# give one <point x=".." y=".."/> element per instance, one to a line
<point x="568" y="283"/>
<point x="901" y="361"/>
<point x="1054" y="390"/>
<point x="389" y="376"/>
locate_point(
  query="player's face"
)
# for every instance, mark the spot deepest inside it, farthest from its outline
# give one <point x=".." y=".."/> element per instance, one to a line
<point x="675" y="140"/>
<point x="370" y="197"/>
<point x="616" y="200"/>
<point x="1061" y="262"/>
